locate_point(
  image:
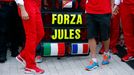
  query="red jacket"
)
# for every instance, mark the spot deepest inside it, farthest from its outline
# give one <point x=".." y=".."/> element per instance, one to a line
<point x="39" y="3"/>
<point x="98" y="6"/>
<point x="128" y="1"/>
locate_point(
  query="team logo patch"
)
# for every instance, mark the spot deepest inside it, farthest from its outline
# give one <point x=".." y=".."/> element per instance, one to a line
<point x="67" y="4"/>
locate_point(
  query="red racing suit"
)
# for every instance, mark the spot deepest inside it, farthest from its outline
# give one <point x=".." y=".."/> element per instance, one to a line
<point x="127" y="18"/>
<point x="34" y="31"/>
<point x="114" y="31"/>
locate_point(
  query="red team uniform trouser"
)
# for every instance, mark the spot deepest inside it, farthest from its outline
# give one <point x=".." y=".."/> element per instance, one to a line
<point x="34" y="32"/>
<point x="127" y="18"/>
<point x="114" y="31"/>
<point x="114" y="34"/>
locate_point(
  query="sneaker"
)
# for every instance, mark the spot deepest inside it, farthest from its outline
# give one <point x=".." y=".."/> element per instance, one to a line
<point x="34" y="70"/>
<point x="3" y="54"/>
<point x="127" y="58"/>
<point x="38" y="59"/>
<point x="102" y="50"/>
<point x="114" y="51"/>
<point x="106" y="59"/>
<point x="3" y="57"/>
<point x="21" y="60"/>
<point x="14" y="51"/>
<point x="92" y="65"/>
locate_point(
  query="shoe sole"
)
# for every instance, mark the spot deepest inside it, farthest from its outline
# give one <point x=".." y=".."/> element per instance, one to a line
<point x="92" y="68"/>
<point x="32" y="72"/>
<point x="132" y="58"/>
<point x="39" y="61"/>
<point x="3" y="61"/>
<point x="109" y="59"/>
<point x="106" y="63"/>
<point x="27" y="72"/>
<point x="20" y="61"/>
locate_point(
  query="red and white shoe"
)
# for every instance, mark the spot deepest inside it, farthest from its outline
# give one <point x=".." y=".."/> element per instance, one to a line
<point x="34" y="70"/>
<point x="114" y="50"/>
<point x="128" y="57"/>
<point x="21" y="60"/>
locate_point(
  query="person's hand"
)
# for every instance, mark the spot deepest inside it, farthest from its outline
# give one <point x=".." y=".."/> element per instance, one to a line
<point x="24" y="15"/>
<point x="115" y="10"/>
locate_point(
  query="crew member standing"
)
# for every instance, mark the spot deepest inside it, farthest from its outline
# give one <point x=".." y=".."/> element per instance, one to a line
<point x="114" y="34"/>
<point x="8" y="16"/>
<point x="98" y="19"/>
<point x="127" y="18"/>
<point x="34" y="31"/>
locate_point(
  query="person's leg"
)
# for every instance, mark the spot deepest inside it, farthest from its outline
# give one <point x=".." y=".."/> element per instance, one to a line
<point x="115" y="32"/>
<point x="102" y="50"/>
<point x="106" y="54"/>
<point x="28" y="53"/>
<point x="92" y="33"/>
<point x="39" y="28"/>
<point x="39" y="53"/>
<point x="30" y="27"/>
<point x="40" y="35"/>
<point x="104" y="22"/>
<point x="13" y="30"/>
<point x="3" y="33"/>
<point x="3" y="42"/>
<point x="106" y="45"/>
<point x="92" y="45"/>
<point x="128" y="30"/>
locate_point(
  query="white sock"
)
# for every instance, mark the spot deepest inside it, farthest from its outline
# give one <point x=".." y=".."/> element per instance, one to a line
<point x="94" y="59"/>
<point x="108" y="53"/>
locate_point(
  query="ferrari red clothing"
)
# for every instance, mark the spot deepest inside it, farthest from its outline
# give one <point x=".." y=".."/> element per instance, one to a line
<point x="39" y="4"/>
<point x="130" y="2"/>
<point x="34" y="32"/>
<point x="127" y="18"/>
<point x="98" y="6"/>
<point x="82" y="4"/>
<point x="6" y="0"/>
<point x="114" y="31"/>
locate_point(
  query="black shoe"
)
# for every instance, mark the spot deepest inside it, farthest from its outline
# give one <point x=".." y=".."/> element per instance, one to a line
<point x="14" y="51"/>
<point x="3" y="59"/>
<point x="3" y="54"/>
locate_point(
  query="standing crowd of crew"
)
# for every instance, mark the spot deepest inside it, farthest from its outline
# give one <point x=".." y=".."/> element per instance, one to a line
<point x="21" y="25"/>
